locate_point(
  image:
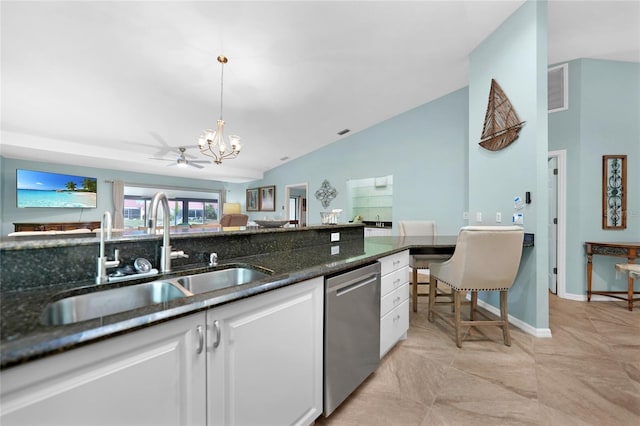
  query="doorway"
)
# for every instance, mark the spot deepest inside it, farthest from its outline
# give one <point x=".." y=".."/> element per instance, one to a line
<point x="296" y="210"/>
<point x="557" y="181"/>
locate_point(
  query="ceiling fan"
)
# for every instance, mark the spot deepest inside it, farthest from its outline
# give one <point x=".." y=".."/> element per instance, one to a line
<point x="182" y="160"/>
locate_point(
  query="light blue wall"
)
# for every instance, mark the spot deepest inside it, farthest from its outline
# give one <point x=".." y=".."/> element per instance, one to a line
<point x="10" y="213"/>
<point x="424" y="149"/>
<point x="515" y="56"/>
<point x="603" y="118"/>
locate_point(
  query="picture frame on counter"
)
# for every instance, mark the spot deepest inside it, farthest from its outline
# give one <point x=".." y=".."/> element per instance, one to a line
<point x="268" y="198"/>
<point x="253" y="199"/>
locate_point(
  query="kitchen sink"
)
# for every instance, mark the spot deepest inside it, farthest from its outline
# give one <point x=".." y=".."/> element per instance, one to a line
<point x="107" y="302"/>
<point x="221" y="278"/>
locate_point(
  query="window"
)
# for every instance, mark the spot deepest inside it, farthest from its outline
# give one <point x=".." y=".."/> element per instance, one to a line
<point x="192" y="207"/>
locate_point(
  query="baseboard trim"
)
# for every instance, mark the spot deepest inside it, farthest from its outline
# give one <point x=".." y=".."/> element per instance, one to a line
<point x="594" y="297"/>
<point x="516" y="322"/>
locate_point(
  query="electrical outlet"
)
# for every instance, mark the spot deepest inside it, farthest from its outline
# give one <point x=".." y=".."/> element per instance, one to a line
<point x="498" y="217"/>
<point x="335" y="236"/>
<point x="465" y="215"/>
<point x="335" y="250"/>
<point x="478" y="216"/>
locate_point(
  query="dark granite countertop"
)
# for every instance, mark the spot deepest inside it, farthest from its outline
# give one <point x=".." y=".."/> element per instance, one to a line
<point x="24" y="338"/>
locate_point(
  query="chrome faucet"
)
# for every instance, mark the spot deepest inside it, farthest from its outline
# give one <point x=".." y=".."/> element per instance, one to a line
<point x="102" y="262"/>
<point x="165" y="251"/>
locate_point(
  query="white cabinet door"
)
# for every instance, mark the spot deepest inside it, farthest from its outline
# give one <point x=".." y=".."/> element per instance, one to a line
<point x="265" y="358"/>
<point x="154" y="376"/>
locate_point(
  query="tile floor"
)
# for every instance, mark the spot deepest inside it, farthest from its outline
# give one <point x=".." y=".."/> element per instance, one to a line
<point x="588" y="373"/>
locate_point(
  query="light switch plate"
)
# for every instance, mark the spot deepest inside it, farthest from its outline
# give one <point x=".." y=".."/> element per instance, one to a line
<point x="478" y="216"/>
<point x="335" y="250"/>
<point x="498" y="217"/>
<point x="335" y="236"/>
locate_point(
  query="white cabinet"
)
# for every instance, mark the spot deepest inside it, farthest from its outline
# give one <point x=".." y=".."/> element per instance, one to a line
<point x="265" y="358"/>
<point x="257" y="361"/>
<point x="394" y="304"/>
<point x="377" y="232"/>
<point x="153" y="376"/>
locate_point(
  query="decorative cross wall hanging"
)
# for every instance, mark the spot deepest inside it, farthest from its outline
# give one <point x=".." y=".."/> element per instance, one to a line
<point x="326" y="193"/>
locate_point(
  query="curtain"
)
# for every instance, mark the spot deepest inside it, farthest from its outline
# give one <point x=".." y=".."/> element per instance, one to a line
<point x="118" y="204"/>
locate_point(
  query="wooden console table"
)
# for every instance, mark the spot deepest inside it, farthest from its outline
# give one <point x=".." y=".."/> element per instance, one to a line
<point x="55" y="226"/>
<point x="628" y="250"/>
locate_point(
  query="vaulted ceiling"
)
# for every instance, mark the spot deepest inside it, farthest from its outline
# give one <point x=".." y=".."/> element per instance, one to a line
<point x="116" y="84"/>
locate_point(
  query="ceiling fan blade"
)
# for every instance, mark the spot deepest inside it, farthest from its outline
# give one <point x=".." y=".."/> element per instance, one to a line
<point x="200" y="161"/>
<point x="197" y="166"/>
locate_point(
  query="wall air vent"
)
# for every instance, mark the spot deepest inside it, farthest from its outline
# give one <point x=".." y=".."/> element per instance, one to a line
<point x="558" y="88"/>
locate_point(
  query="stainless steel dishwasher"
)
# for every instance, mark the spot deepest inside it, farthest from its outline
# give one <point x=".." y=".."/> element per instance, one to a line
<point x="351" y="332"/>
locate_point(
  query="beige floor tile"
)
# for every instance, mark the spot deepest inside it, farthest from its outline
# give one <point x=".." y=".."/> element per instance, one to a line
<point x="372" y="409"/>
<point x="407" y="373"/>
<point x="593" y="389"/>
<point x="466" y="398"/>
<point x="588" y="373"/>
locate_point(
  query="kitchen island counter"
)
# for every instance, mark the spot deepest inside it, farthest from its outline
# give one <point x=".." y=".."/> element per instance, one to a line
<point x="25" y="338"/>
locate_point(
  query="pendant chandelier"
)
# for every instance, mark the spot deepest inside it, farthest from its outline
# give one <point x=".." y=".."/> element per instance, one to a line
<point x="212" y="143"/>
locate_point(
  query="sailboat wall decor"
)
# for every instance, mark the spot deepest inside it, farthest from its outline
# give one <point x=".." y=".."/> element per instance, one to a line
<point x="501" y="123"/>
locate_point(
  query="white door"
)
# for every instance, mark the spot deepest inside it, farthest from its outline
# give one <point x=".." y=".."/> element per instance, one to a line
<point x="553" y="226"/>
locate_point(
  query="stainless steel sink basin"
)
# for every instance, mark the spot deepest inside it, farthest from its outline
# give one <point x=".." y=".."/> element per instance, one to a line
<point x="107" y="302"/>
<point x="221" y="278"/>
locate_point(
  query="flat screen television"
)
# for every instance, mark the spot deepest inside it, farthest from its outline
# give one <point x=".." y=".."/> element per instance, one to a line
<point x="44" y="189"/>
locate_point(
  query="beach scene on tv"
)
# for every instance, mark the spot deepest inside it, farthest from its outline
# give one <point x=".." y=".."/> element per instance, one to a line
<point x="44" y="189"/>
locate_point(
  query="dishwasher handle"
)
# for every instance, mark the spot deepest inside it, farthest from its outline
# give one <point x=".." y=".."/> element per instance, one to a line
<point x="352" y="285"/>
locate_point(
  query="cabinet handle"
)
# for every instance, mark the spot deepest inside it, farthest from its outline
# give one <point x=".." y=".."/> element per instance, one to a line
<point x="216" y="328"/>
<point x="200" y="332"/>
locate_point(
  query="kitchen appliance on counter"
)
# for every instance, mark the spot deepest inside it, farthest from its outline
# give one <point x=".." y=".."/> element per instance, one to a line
<point x="352" y="332"/>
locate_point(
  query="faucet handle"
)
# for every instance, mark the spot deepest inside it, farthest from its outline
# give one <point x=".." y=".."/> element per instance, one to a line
<point x="213" y="259"/>
<point x="179" y="254"/>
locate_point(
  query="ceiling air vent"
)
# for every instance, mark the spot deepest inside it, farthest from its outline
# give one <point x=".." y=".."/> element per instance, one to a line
<point x="558" y="88"/>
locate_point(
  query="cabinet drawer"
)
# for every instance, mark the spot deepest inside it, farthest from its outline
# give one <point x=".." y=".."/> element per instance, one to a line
<point x="393" y="326"/>
<point x="395" y="261"/>
<point x="394" y="280"/>
<point x="393" y="299"/>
